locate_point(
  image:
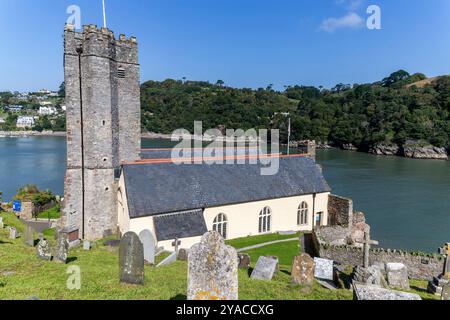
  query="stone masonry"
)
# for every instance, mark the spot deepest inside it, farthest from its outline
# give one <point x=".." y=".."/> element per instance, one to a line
<point x="103" y="125"/>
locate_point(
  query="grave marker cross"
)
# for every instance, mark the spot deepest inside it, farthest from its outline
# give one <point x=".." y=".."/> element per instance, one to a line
<point x="367" y="243"/>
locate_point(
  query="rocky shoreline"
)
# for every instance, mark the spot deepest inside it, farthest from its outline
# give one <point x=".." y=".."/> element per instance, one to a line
<point x="411" y="149"/>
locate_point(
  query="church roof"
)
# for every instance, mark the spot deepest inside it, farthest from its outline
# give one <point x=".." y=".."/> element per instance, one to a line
<point x="180" y="225"/>
<point x="159" y="188"/>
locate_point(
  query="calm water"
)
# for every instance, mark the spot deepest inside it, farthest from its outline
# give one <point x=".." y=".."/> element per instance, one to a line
<point x="407" y="202"/>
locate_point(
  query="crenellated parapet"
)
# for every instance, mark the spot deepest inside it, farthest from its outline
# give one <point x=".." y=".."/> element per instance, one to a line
<point x="101" y="42"/>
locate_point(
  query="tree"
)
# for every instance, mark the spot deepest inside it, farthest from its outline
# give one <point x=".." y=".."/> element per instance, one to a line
<point x="62" y="90"/>
<point x="395" y="77"/>
<point x="220" y="83"/>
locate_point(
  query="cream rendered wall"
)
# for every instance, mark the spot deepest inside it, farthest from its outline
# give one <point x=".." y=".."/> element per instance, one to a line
<point x="243" y="219"/>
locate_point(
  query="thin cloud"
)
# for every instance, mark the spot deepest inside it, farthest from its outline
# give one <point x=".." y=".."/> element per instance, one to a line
<point x="351" y="20"/>
<point x="351" y="5"/>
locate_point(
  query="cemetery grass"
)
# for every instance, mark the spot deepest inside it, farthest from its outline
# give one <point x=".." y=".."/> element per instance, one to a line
<point x="23" y="275"/>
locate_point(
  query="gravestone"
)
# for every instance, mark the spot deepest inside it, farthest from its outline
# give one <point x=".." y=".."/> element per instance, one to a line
<point x="172" y="258"/>
<point x="12" y="233"/>
<point x="86" y="245"/>
<point x="303" y="270"/>
<point x="212" y="269"/>
<point x="446" y="292"/>
<point x="367" y="242"/>
<point x="265" y="268"/>
<point x="62" y="248"/>
<point x="307" y="244"/>
<point x="1" y="223"/>
<point x="372" y="275"/>
<point x="183" y="254"/>
<point x="244" y="261"/>
<point x="323" y="269"/>
<point x="28" y="236"/>
<point x="43" y="250"/>
<point x="371" y="292"/>
<point x="148" y="241"/>
<point x="397" y="276"/>
<point x="131" y="259"/>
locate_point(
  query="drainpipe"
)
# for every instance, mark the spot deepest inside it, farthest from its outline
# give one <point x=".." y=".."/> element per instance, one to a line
<point x="83" y="192"/>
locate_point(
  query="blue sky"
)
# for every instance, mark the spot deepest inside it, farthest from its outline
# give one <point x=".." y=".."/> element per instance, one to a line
<point x="246" y="43"/>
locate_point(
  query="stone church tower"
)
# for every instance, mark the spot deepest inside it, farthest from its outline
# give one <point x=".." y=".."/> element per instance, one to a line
<point x="102" y="77"/>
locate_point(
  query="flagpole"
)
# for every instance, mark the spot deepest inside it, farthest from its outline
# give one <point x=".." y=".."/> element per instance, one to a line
<point x="104" y="14"/>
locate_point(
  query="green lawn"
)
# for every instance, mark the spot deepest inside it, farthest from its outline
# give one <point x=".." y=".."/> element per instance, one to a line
<point x="27" y="276"/>
<point x="52" y="213"/>
<point x="250" y="241"/>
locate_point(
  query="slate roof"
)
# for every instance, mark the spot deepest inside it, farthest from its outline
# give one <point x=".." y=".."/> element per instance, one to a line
<point x="158" y="188"/>
<point x="180" y="225"/>
<point x="167" y="153"/>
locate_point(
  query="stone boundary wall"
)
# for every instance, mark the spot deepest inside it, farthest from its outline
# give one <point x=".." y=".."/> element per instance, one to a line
<point x="340" y="211"/>
<point x="420" y="267"/>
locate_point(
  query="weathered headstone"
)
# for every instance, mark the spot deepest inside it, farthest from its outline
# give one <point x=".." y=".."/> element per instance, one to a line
<point x="131" y="259"/>
<point x="265" y="268"/>
<point x="62" y="249"/>
<point x="371" y="275"/>
<point x="28" y="236"/>
<point x="303" y="270"/>
<point x="12" y="233"/>
<point x="324" y="269"/>
<point x="1" y="223"/>
<point x="43" y="250"/>
<point x="367" y="242"/>
<point x="148" y="241"/>
<point x="244" y="261"/>
<point x="370" y="292"/>
<point x="86" y="245"/>
<point x="183" y="254"/>
<point x="212" y="270"/>
<point x="397" y="276"/>
<point x="446" y="292"/>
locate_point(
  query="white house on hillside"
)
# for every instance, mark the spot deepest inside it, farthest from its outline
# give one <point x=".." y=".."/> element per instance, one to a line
<point x="25" y="122"/>
<point x="47" y="111"/>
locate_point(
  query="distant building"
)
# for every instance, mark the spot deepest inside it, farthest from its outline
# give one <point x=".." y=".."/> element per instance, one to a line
<point x="46" y="103"/>
<point x="2" y="121"/>
<point x="15" y="108"/>
<point x="44" y="91"/>
<point x="63" y="108"/>
<point x="47" y="111"/>
<point x="25" y="122"/>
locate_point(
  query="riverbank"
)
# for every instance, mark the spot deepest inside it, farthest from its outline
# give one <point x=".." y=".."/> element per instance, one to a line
<point x="24" y="134"/>
<point x="412" y="150"/>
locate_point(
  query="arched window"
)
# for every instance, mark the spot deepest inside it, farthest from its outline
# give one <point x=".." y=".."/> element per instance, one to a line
<point x="302" y="214"/>
<point x="265" y="220"/>
<point x="220" y="225"/>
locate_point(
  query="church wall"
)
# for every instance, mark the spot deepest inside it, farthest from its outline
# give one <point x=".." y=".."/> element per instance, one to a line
<point x="243" y="219"/>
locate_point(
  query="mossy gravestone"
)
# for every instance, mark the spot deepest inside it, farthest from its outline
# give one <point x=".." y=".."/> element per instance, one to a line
<point x="43" y="250"/>
<point x="212" y="270"/>
<point x="131" y="259"/>
<point x="62" y="248"/>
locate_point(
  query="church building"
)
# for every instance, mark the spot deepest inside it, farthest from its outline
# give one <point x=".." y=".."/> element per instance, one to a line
<point x="112" y="186"/>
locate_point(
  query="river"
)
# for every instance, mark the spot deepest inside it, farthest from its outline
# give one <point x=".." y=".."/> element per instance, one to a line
<point x="406" y="201"/>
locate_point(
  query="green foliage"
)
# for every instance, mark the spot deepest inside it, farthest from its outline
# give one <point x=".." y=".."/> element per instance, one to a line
<point x="31" y="193"/>
<point x="52" y="213"/>
<point x="362" y="114"/>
